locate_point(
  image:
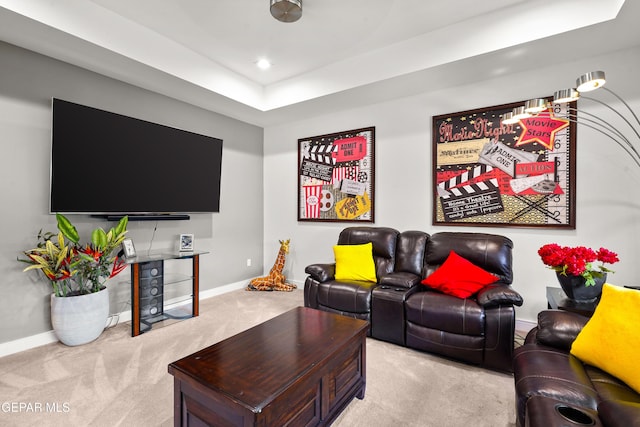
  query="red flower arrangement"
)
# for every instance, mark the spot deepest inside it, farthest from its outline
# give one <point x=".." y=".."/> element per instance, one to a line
<point x="577" y="261"/>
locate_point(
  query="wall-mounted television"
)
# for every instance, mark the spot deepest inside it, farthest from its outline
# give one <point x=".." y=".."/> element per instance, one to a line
<point x="103" y="163"/>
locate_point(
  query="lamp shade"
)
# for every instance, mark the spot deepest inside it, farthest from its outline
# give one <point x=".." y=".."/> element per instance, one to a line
<point x="508" y="119"/>
<point x="565" y="95"/>
<point x="535" y="106"/>
<point x="286" y="10"/>
<point x="519" y="113"/>
<point x="590" y="81"/>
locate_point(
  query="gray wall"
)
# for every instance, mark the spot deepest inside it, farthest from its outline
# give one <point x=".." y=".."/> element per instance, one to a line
<point x="28" y="81"/>
<point x="608" y="182"/>
<point x="608" y="204"/>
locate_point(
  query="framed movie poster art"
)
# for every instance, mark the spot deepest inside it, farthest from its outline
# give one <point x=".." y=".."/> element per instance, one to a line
<point x="336" y="176"/>
<point x="486" y="173"/>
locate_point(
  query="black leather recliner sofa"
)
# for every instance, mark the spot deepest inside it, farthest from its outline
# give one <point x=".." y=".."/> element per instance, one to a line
<point x="555" y="388"/>
<point x="477" y="330"/>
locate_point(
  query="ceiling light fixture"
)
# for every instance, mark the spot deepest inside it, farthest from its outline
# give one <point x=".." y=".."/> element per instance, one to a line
<point x="263" y="64"/>
<point x="585" y="83"/>
<point x="286" y="10"/>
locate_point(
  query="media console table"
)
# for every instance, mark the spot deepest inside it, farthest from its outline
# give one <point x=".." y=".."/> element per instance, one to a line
<point x="157" y="298"/>
<point x="301" y="368"/>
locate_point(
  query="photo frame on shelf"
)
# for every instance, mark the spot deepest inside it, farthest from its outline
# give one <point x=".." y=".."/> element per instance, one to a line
<point x="128" y="248"/>
<point x="336" y="176"/>
<point x="186" y="243"/>
<point x="486" y="173"/>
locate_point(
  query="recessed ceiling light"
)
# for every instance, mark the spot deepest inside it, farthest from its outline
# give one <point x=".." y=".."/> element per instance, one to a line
<point x="263" y="64"/>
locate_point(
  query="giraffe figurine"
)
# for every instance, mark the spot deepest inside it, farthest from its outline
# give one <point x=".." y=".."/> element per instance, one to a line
<point x="275" y="281"/>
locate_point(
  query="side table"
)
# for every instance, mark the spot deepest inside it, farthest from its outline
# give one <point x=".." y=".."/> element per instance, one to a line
<point x="558" y="300"/>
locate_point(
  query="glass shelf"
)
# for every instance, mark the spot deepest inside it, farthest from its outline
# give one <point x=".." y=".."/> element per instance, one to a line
<point x="167" y="317"/>
<point x="162" y="255"/>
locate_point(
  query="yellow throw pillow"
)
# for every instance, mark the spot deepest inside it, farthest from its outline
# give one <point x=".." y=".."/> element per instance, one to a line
<point x="355" y="262"/>
<point x="611" y="338"/>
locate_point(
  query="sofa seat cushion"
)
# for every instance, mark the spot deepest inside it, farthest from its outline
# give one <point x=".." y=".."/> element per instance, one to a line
<point x="469" y="348"/>
<point x="361" y="316"/>
<point x="545" y="371"/>
<point x="614" y="413"/>
<point x="610" y="387"/>
<point x="350" y="297"/>
<point x="445" y="313"/>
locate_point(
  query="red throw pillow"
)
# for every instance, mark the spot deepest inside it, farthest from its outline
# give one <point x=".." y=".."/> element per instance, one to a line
<point x="459" y="277"/>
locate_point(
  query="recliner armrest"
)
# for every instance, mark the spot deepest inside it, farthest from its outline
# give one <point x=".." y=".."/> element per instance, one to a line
<point x="498" y="294"/>
<point x="321" y="272"/>
<point x="558" y="328"/>
<point x="399" y="280"/>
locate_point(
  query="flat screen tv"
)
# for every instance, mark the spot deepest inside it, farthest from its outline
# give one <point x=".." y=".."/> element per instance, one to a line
<point x="103" y="163"/>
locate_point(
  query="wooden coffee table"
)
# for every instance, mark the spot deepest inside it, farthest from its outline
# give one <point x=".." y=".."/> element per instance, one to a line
<point x="300" y="368"/>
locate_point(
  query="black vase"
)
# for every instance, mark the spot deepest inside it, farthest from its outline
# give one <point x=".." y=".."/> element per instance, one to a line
<point x="575" y="288"/>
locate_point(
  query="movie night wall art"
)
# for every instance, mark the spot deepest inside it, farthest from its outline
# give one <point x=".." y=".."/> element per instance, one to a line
<point x="336" y="176"/>
<point x="486" y="173"/>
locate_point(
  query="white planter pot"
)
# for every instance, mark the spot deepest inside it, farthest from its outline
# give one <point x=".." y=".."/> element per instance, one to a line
<point x="80" y="319"/>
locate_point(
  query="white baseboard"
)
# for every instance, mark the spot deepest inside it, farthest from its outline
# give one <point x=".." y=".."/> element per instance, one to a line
<point x="223" y="289"/>
<point x="26" y="343"/>
<point x="22" y="344"/>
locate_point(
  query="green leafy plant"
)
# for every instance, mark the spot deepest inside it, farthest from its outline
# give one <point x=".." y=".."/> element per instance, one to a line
<point x="73" y="268"/>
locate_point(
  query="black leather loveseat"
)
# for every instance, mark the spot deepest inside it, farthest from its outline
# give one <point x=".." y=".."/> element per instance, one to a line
<point x="477" y="330"/>
<point x="555" y="388"/>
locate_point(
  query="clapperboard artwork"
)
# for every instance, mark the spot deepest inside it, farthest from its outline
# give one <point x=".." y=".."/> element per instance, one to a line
<point x="509" y="175"/>
<point x="335" y="176"/>
<point x="461" y="199"/>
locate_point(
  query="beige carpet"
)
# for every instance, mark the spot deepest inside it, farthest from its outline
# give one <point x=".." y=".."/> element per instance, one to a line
<point x="118" y="380"/>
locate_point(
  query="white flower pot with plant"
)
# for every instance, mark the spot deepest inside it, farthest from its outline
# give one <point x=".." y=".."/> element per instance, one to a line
<point x="80" y="300"/>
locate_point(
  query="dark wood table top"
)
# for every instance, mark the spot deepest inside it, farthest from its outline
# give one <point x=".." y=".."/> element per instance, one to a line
<point x="254" y="366"/>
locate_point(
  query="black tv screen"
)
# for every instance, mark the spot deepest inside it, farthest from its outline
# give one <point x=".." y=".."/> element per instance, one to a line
<point x="105" y="163"/>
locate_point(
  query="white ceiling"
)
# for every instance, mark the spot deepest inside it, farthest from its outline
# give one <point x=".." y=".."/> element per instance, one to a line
<point x="205" y="51"/>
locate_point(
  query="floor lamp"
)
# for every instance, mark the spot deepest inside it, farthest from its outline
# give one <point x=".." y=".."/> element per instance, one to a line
<point x="626" y="136"/>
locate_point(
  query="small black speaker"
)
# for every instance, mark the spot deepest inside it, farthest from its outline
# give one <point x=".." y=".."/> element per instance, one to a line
<point x="150" y="307"/>
<point x="151" y="288"/>
<point x="151" y="269"/>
